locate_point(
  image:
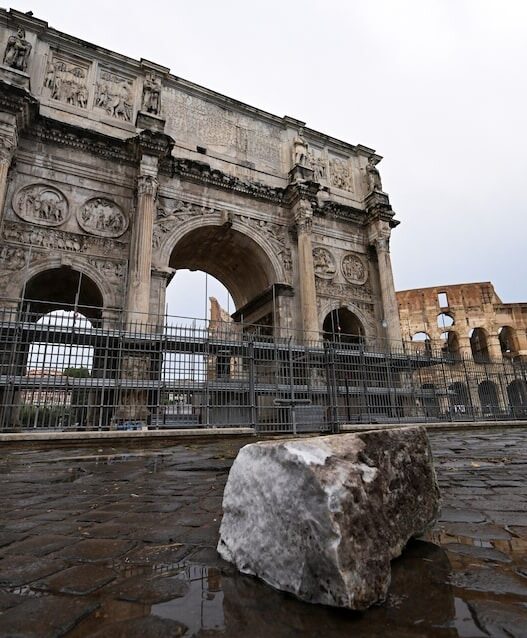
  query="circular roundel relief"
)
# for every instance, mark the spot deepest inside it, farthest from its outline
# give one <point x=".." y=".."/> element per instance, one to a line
<point x="101" y="216"/>
<point x="323" y="263"/>
<point x="41" y="204"/>
<point x="354" y="270"/>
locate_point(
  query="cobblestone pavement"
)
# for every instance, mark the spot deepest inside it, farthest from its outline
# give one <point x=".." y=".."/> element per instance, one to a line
<point x="120" y="542"/>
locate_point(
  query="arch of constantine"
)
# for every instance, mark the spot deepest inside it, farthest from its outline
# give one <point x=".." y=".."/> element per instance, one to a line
<point x="114" y="175"/>
<point x="117" y="172"/>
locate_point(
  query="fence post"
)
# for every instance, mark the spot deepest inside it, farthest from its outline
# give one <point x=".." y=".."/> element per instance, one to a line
<point x="252" y="384"/>
<point x="331" y="386"/>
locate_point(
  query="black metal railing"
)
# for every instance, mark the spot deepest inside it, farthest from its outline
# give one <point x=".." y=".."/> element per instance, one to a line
<point x="62" y="370"/>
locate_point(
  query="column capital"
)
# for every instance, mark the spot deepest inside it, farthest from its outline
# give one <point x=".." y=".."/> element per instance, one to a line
<point x="147" y="185"/>
<point x="303" y="213"/>
<point x="379" y="235"/>
<point x="7" y="148"/>
<point x="153" y="143"/>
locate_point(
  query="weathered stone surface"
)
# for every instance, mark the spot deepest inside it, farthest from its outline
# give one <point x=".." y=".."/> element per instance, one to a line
<point x="322" y="518"/>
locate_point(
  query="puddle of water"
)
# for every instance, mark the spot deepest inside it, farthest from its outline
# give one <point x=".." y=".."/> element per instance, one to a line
<point x="202" y="607"/>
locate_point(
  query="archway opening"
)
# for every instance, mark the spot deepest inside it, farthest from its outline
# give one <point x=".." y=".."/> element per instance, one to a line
<point x="450" y="344"/>
<point x="479" y="345"/>
<point x="508" y="341"/>
<point x="422" y="342"/>
<point x="517" y="395"/>
<point x="52" y="396"/>
<point x="57" y="356"/>
<point x="459" y="399"/>
<point x="445" y="320"/>
<point x="343" y="326"/>
<point x="231" y="257"/>
<point x="62" y="289"/>
<point x="430" y="400"/>
<point x="488" y="397"/>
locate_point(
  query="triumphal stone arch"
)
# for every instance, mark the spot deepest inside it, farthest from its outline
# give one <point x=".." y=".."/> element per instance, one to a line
<point x="114" y="173"/>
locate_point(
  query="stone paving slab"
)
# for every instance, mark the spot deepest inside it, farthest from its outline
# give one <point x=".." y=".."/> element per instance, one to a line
<point x="120" y="541"/>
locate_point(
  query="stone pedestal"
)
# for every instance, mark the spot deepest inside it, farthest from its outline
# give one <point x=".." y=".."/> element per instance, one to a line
<point x="20" y="79"/>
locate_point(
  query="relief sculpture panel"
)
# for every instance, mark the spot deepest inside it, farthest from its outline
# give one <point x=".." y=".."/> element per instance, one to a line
<point x="341" y="174"/>
<point x="114" y="95"/>
<point x="354" y="270"/>
<point x="41" y="204"/>
<point x="101" y="216"/>
<point x="65" y="81"/>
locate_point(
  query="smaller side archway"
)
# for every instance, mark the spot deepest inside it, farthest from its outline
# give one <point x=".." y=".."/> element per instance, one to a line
<point x="62" y="288"/>
<point x="343" y="326"/>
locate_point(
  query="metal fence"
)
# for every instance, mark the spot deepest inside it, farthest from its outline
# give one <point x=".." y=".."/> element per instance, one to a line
<point x="62" y="370"/>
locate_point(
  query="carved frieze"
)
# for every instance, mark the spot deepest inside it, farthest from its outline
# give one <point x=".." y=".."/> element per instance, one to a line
<point x="345" y="291"/>
<point x="17" y="51"/>
<point x="101" y="216"/>
<point x="51" y="239"/>
<point x="323" y="263"/>
<point x="112" y="271"/>
<point x="41" y="204"/>
<point x="354" y="270"/>
<point x="341" y="174"/>
<point x="65" y="81"/>
<point x="114" y="95"/>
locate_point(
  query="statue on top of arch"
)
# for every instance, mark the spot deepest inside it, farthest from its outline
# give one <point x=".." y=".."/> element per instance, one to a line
<point x="17" y="51"/>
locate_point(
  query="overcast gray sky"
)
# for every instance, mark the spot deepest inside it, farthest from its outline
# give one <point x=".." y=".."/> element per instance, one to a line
<point x="438" y="87"/>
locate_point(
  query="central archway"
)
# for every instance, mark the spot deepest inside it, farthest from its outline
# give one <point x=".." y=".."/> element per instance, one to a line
<point x="232" y="257"/>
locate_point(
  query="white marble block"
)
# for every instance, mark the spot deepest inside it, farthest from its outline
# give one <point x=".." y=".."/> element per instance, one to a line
<point x="323" y="517"/>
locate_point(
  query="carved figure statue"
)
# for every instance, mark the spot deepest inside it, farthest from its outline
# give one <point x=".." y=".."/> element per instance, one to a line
<point x="17" y="51"/>
<point x="299" y="149"/>
<point x="152" y="94"/>
<point x="374" y="178"/>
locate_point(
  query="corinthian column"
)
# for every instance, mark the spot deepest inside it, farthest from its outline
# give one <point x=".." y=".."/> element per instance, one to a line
<point x="141" y="249"/>
<point x="306" y="270"/>
<point x="380" y="237"/>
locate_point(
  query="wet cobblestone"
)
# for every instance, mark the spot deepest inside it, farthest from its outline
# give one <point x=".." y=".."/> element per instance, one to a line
<point x="121" y="542"/>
